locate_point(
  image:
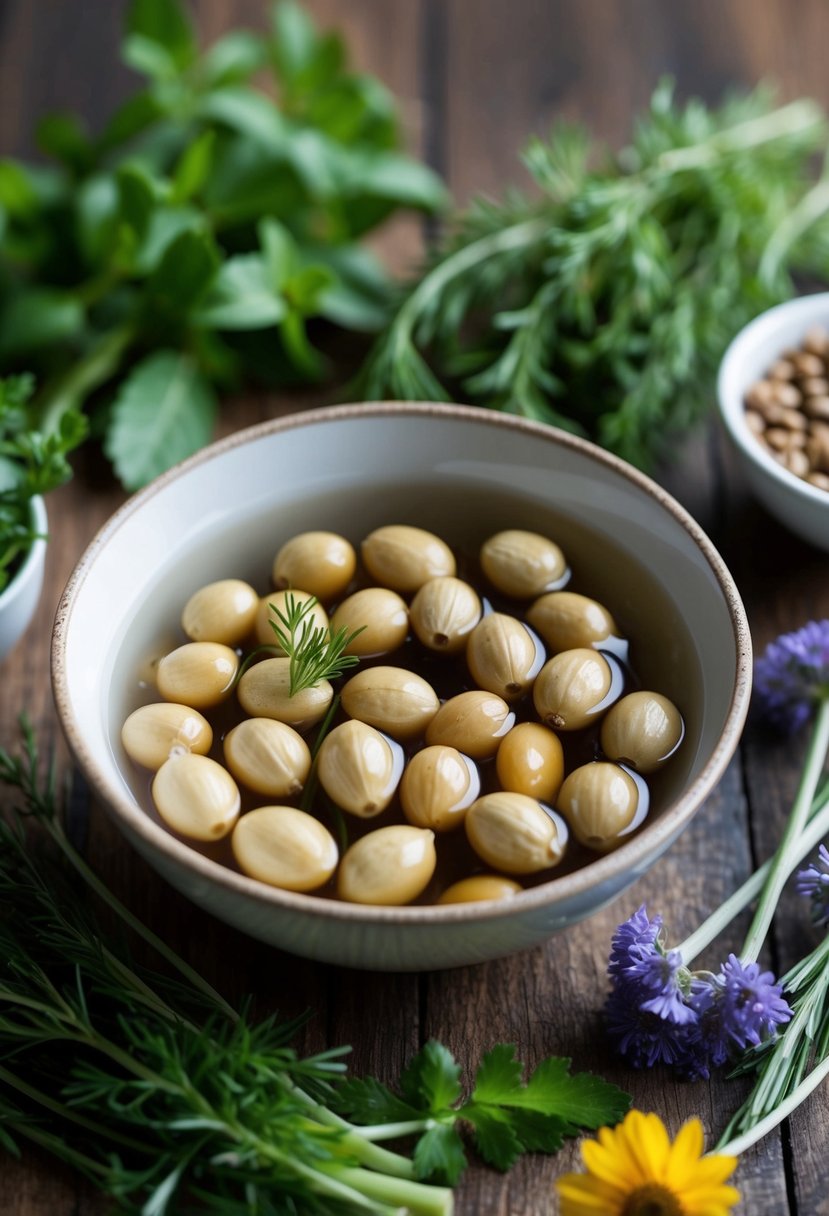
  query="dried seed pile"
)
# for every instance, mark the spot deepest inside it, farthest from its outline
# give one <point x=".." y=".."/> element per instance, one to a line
<point x="788" y="410"/>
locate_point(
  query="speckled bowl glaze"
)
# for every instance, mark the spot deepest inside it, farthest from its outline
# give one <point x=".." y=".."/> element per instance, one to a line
<point x="802" y="508"/>
<point x="19" y="599"/>
<point x="228" y="509"/>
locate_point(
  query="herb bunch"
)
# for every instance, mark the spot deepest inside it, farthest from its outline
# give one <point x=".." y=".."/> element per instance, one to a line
<point x="315" y="652"/>
<point x="191" y="241"/>
<point x="171" y="1101"/>
<point x="31" y="463"/>
<point x="604" y="305"/>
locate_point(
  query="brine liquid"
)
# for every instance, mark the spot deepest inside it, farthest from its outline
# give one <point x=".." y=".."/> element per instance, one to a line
<point x="655" y="651"/>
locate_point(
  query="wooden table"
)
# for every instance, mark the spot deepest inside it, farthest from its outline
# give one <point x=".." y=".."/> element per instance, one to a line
<point x="475" y="78"/>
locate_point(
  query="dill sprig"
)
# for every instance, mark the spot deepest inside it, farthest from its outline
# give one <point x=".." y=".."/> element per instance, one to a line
<point x="315" y="652"/>
<point x="604" y="305"/>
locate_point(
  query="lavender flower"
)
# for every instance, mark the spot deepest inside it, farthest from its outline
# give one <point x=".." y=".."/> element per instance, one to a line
<point x="644" y="1039"/>
<point x="793" y="674"/>
<point x="813" y="882"/>
<point x="751" y="1003"/>
<point x="634" y="939"/>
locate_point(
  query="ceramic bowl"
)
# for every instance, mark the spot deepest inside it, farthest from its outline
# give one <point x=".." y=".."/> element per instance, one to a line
<point x="464" y="473"/>
<point x="19" y="599"/>
<point x="801" y="507"/>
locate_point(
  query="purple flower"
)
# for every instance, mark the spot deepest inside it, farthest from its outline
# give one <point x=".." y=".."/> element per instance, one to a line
<point x="644" y="1039"/>
<point x="751" y="1004"/>
<point x="813" y="882"/>
<point x="661" y="976"/>
<point x="793" y="675"/>
<point x="634" y="939"/>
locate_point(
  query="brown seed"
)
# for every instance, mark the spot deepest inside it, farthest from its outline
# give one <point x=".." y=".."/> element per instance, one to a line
<point x="759" y="394"/>
<point x="777" y="438"/>
<point x="783" y="369"/>
<point x="817" y="386"/>
<point x="755" y="422"/>
<point x="787" y="395"/>
<point x="793" y="420"/>
<point x="820" y="480"/>
<point x="817" y="448"/>
<point x="796" y="462"/>
<point x="817" y="407"/>
<point x="806" y="364"/>
<point x="817" y="341"/>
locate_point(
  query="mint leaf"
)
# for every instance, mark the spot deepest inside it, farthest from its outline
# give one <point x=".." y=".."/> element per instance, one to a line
<point x="439" y="1155"/>
<point x="242" y="297"/>
<point x="41" y="316"/>
<point x="250" y="113"/>
<point x="431" y="1080"/>
<point x="193" y="169"/>
<point x="165" y="410"/>
<point x="136" y="198"/>
<point x="164" y="23"/>
<point x="233" y="58"/>
<point x="294" y="40"/>
<point x="187" y="267"/>
<point x="369" y="1101"/>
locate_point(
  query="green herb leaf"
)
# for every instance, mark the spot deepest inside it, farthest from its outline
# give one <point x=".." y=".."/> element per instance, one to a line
<point x="242" y="297"/>
<point x="366" y="1100"/>
<point x="495" y="1136"/>
<point x="163" y="23"/>
<point x="315" y="652"/>
<point x="193" y="170"/>
<point x="439" y="1155"/>
<point x="164" y="411"/>
<point x="582" y="1099"/>
<point x="431" y="1080"/>
<point x="187" y="267"/>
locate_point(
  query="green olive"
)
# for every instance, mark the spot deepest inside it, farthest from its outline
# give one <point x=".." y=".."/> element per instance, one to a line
<point x="530" y="761"/>
<point x="567" y="621"/>
<point x="196" y="797"/>
<point x="514" y="833"/>
<point x="570" y="688"/>
<point x="479" y="887"/>
<point x="439" y="784"/>
<point x="265" y="635"/>
<point x="502" y="655"/>
<point x="444" y="612"/>
<point x="380" y="614"/>
<point x="473" y="722"/>
<point x="391" y="699"/>
<point x="404" y="558"/>
<point x="522" y="564"/>
<point x="599" y="801"/>
<point x="642" y="730"/>
<point x="285" y="848"/>
<point x="221" y="612"/>
<point x="264" y="691"/>
<point x="199" y="674"/>
<point x="322" y="563"/>
<point x="152" y="733"/>
<point x="391" y="866"/>
<point x="359" y="768"/>
<point x="268" y="757"/>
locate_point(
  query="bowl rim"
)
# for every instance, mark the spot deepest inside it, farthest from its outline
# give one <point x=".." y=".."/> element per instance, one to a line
<point x="653" y="840"/>
<point x="729" y="395"/>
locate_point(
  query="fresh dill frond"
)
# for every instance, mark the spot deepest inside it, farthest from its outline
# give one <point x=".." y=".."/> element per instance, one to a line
<point x="315" y="652"/>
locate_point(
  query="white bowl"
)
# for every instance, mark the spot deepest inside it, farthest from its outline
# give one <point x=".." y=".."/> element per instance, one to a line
<point x="19" y="599"/>
<point x="226" y="510"/>
<point x="801" y="507"/>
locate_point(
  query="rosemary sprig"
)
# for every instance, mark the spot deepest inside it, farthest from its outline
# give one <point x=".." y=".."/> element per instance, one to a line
<point x="604" y="306"/>
<point x="315" y="652"/>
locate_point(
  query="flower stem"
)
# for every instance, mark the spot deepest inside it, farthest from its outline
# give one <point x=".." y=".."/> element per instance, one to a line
<point x="739" y="1144"/>
<point x="818" y="827"/>
<point x="783" y="860"/>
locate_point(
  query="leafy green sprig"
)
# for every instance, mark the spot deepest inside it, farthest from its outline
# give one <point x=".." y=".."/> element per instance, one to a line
<point x="604" y="305"/>
<point x="316" y="652"/>
<point x="31" y="463"/>
<point x="171" y="1101"/>
<point x="193" y="240"/>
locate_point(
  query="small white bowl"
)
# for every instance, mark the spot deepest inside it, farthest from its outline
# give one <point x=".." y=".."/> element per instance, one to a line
<point x="801" y="507"/>
<point x="19" y="598"/>
<point x="224" y="513"/>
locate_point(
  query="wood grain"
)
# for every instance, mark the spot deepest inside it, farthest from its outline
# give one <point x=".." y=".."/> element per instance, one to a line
<point x="475" y="77"/>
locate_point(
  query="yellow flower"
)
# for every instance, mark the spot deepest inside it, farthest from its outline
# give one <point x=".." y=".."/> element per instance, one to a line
<point x="635" y="1170"/>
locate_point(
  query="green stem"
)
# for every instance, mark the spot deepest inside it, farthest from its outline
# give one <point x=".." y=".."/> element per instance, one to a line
<point x="807" y="212"/>
<point x="783" y="860"/>
<point x="818" y="827"/>
<point x="796" y="118"/>
<point x="103" y="892"/>
<point x="740" y="1143"/>
<point x="415" y="1198"/>
<point x="358" y="1142"/>
<point x="83" y="377"/>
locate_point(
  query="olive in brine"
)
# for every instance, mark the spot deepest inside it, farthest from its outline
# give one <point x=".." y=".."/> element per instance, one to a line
<point x="265" y="692"/>
<point x="381" y="616"/>
<point x="530" y="761"/>
<point x="438" y="785"/>
<point x="220" y="612"/>
<point x="404" y="558"/>
<point x="316" y="616"/>
<point x="391" y="866"/>
<point x="358" y="768"/>
<point x="567" y="620"/>
<point x="642" y="730"/>
<point x="199" y="674"/>
<point x="599" y="801"/>
<point x="443" y="614"/>
<point x="322" y="563"/>
<point x="196" y="797"/>
<point x="502" y="655"/>
<point x="153" y="733"/>
<point x="522" y="564"/>
<point x="267" y="756"/>
<point x="391" y="699"/>
<point x="570" y="687"/>
<point x="479" y="887"/>
<point x="284" y="847"/>
<point x="514" y="833"/>
<point x="474" y="722"/>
